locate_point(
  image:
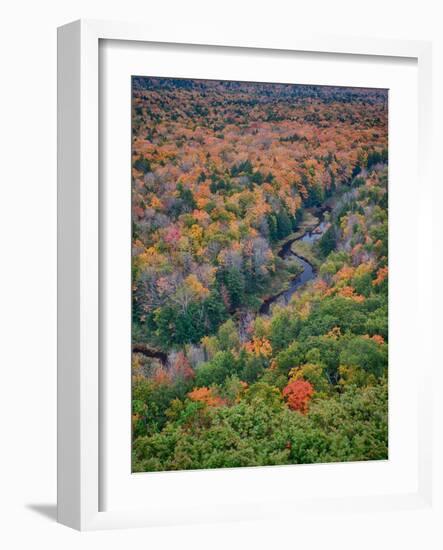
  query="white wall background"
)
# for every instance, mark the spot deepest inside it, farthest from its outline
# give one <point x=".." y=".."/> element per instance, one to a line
<point x="28" y="266"/>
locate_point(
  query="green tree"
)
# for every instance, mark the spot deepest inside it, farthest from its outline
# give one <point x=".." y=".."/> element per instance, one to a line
<point x="187" y="197"/>
<point x="365" y="353"/>
<point x="289" y="358"/>
<point x="284" y="328"/>
<point x="222" y="365"/>
<point x="227" y="336"/>
<point x="284" y="226"/>
<point x="215" y="311"/>
<point x="328" y="241"/>
<point x="234" y="281"/>
<point x="272" y="225"/>
<point x="142" y="164"/>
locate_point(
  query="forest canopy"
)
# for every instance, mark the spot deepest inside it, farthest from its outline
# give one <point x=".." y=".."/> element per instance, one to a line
<point x="259" y="274"/>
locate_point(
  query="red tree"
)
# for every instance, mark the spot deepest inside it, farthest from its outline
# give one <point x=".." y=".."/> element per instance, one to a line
<point x="298" y="394"/>
<point x="206" y="395"/>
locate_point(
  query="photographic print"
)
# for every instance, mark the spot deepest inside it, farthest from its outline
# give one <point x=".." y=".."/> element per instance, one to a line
<point x="259" y="274"/>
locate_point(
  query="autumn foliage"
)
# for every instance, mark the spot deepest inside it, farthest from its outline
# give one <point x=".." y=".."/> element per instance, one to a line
<point x="259" y="346"/>
<point x="259" y="274"/>
<point x="298" y="394"/>
<point x="382" y="274"/>
<point x="206" y="396"/>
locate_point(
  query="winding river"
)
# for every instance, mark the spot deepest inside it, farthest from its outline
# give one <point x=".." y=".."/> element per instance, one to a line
<point x="285" y="252"/>
<point x="283" y="297"/>
<point x="302" y="278"/>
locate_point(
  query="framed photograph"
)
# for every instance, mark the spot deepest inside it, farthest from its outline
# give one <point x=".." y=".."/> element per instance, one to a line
<point x="239" y="224"/>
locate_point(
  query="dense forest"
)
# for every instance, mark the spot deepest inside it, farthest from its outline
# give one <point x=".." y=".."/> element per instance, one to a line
<point x="259" y="274"/>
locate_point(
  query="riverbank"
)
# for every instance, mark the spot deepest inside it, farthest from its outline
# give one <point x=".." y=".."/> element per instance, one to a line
<point x="299" y="247"/>
<point x="308" y="224"/>
<point x="311" y="229"/>
<point x="296" y="262"/>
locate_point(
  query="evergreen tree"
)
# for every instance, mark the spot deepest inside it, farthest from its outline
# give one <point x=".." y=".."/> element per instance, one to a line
<point x="328" y="242"/>
<point x="284" y="226"/>
<point x="142" y="165"/>
<point x="234" y="281"/>
<point x="215" y="311"/>
<point x="186" y="196"/>
<point x="272" y="225"/>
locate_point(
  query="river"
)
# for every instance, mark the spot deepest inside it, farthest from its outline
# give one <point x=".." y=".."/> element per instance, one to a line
<point x="283" y="297"/>
<point x="285" y="252"/>
<point x="302" y="278"/>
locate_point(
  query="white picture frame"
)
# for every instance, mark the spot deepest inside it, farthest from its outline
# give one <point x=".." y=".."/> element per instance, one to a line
<point x="79" y="409"/>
